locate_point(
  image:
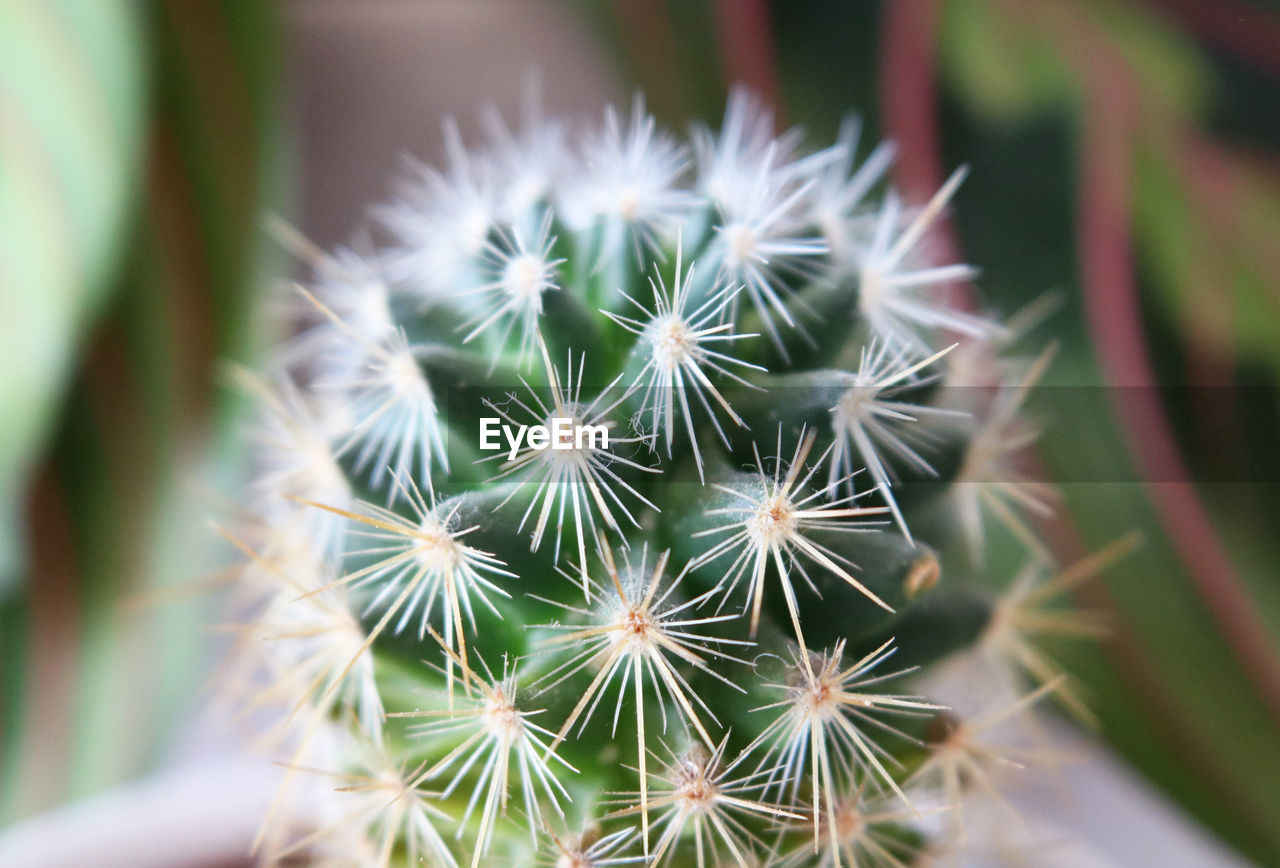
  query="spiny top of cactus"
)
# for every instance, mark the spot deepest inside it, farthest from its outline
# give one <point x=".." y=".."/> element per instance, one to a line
<point x="621" y="416"/>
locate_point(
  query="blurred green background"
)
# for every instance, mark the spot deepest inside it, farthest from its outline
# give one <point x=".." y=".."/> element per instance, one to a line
<point x="1125" y="156"/>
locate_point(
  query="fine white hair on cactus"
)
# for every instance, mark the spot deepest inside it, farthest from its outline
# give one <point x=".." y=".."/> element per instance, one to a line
<point x="498" y="733"/>
<point x="862" y="829"/>
<point x="730" y="163"/>
<point x="379" y="796"/>
<point x="868" y="419"/>
<point x="579" y="477"/>
<point x="678" y="355"/>
<point x="396" y="413"/>
<point x="990" y="480"/>
<point x="1029" y="611"/>
<point x="841" y="186"/>
<point x="313" y="650"/>
<point x="321" y="657"/>
<point x="312" y="818"/>
<point x="529" y="161"/>
<point x="393" y="411"/>
<point x="441" y="221"/>
<point x="311" y="642"/>
<point x="771" y="522"/>
<point x="894" y="278"/>
<point x="420" y="563"/>
<point x="698" y="792"/>
<point x="293" y="444"/>
<point x="523" y="271"/>
<point x="350" y="283"/>
<point x="825" y="710"/>
<point x="592" y="849"/>
<point x="969" y="754"/>
<point x="636" y="630"/>
<point x="631" y="184"/>
<point x="762" y="228"/>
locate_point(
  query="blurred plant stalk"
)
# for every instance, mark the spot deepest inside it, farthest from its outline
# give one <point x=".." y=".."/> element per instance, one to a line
<point x="141" y="143"/>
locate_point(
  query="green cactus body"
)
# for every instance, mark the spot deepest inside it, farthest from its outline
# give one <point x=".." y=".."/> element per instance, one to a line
<point x="662" y="630"/>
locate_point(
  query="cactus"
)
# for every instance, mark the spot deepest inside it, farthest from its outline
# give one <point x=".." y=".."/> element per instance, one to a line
<point x="605" y="510"/>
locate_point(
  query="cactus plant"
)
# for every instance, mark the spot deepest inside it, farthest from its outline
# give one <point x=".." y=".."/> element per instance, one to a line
<point x="605" y="509"/>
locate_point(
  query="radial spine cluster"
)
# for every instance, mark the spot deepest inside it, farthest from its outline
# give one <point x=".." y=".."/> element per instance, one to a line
<point x="666" y="642"/>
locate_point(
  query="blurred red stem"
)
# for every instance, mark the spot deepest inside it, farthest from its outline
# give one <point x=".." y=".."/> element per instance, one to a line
<point x="747" y="54"/>
<point x="909" y="102"/>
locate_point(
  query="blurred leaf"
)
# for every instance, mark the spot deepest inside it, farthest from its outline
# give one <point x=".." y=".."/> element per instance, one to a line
<point x="1206" y="278"/>
<point x="1004" y="72"/>
<point x="199" y="260"/>
<point x="135" y="453"/>
<point x="72" y="117"/>
<point x="1171" y="695"/>
<point x="1172" y="72"/>
<point x="1011" y="60"/>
